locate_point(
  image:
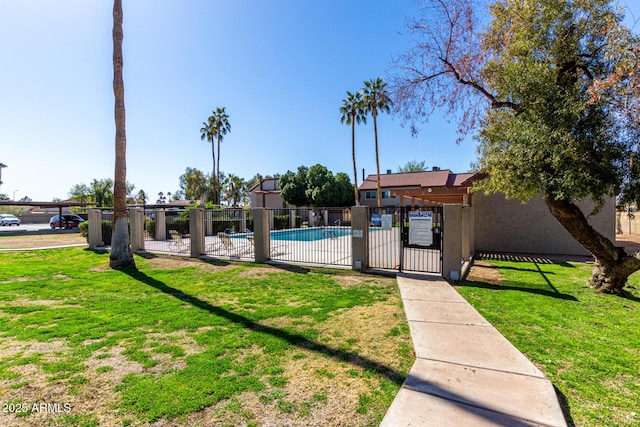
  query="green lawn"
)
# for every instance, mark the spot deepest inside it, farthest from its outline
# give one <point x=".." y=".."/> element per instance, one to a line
<point x="195" y="342"/>
<point x="588" y="344"/>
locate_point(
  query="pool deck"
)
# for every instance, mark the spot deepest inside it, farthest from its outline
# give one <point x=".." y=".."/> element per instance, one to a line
<point x="466" y="373"/>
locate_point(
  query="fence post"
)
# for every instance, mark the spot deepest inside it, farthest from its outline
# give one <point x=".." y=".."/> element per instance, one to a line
<point x="262" y="238"/>
<point x="452" y="244"/>
<point x="136" y="229"/>
<point x="292" y="218"/>
<point x="95" y="228"/>
<point x="161" y="225"/>
<point x="196" y="231"/>
<point x="359" y="237"/>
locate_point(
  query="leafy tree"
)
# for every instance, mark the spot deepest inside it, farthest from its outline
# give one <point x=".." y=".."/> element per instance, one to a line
<point x="316" y="186"/>
<point x="376" y="100"/>
<point x="553" y="86"/>
<point x="413" y="166"/>
<point x="102" y="191"/>
<point x="81" y="193"/>
<point x="293" y="187"/>
<point x="4" y="197"/>
<point x="26" y="199"/>
<point x="196" y="184"/>
<point x="344" y="195"/>
<point x="121" y="255"/>
<point x="353" y="111"/>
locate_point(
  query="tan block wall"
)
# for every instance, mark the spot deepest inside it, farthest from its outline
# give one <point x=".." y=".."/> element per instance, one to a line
<point x="510" y="226"/>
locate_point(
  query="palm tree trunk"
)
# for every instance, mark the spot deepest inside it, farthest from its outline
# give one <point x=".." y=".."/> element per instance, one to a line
<point x="218" y="184"/>
<point x="353" y="155"/>
<point x="375" y="133"/>
<point x="121" y="255"/>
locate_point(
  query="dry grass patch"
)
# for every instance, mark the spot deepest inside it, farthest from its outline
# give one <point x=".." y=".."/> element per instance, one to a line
<point x="482" y="271"/>
<point x="40" y="240"/>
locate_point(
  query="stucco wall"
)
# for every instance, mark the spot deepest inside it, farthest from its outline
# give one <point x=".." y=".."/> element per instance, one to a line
<point x="510" y="226"/>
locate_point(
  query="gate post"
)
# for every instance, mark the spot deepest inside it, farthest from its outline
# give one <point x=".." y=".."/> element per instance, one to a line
<point x="161" y="225"/>
<point x="452" y="244"/>
<point x="136" y="229"/>
<point x="95" y="228"/>
<point x="359" y="237"/>
<point x="196" y="231"/>
<point x="261" y="236"/>
<point x="466" y="232"/>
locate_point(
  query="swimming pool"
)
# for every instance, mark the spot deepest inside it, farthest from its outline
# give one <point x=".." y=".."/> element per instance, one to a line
<point x="305" y="234"/>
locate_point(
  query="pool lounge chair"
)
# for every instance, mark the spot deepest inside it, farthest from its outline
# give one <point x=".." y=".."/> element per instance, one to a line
<point x="177" y="243"/>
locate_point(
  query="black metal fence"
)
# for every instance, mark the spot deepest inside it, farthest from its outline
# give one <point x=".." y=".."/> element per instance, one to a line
<point x="167" y="230"/>
<point x="311" y="236"/>
<point x="384" y="238"/>
<point x="229" y="233"/>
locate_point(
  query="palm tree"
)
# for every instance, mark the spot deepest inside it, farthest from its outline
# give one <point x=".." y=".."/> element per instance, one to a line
<point x="121" y="255"/>
<point x="235" y="189"/>
<point x="220" y="123"/>
<point x="208" y="132"/>
<point x="376" y="100"/>
<point x="216" y="127"/>
<point x="353" y="112"/>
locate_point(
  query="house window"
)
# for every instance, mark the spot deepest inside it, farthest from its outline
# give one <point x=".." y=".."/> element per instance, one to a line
<point x="374" y="195"/>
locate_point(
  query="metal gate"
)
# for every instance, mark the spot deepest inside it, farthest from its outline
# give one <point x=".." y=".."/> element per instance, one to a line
<point x="421" y="239"/>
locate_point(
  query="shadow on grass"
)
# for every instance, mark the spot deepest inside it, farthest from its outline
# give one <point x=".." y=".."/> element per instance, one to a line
<point x="294" y="339"/>
<point x="564" y="405"/>
<point x="290" y="267"/>
<point x="543" y="292"/>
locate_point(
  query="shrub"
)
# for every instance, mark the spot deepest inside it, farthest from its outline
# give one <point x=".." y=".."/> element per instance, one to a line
<point x="181" y="225"/>
<point x="150" y="226"/>
<point x="84" y="229"/>
<point x="107" y="229"/>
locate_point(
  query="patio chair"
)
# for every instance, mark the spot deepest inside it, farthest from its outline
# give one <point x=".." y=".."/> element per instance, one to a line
<point x="177" y="242"/>
<point x="227" y="244"/>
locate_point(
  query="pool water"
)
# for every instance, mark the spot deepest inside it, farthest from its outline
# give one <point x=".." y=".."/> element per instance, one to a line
<point x="310" y="234"/>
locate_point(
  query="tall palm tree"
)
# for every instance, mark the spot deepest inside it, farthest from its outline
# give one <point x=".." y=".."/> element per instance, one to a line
<point x="215" y="128"/>
<point x="208" y="132"/>
<point x="121" y="255"/>
<point x="353" y="111"/>
<point x="220" y="122"/>
<point x="376" y="100"/>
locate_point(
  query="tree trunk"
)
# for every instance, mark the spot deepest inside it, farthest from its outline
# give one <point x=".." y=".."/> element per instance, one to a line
<point x="218" y="183"/>
<point x="375" y="134"/>
<point x="121" y="255"/>
<point x="613" y="264"/>
<point x="353" y="155"/>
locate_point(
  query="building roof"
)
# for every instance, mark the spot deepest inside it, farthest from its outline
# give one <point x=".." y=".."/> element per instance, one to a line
<point x="440" y="186"/>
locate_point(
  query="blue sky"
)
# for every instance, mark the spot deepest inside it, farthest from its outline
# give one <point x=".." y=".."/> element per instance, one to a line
<point x="280" y="67"/>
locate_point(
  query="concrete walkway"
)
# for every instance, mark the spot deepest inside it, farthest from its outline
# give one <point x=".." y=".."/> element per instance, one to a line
<point x="466" y="373"/>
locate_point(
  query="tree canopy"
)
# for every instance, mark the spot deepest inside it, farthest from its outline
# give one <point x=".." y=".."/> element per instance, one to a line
<point x="316" y="186"/>
<point x="413" y="166"/>
<point x="553" y="88"/>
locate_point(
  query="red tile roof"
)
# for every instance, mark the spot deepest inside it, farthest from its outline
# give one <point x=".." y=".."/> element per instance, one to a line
<point x="428" y="179"/>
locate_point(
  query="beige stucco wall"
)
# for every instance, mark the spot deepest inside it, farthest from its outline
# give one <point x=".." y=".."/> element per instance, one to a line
<point x="510" y="226"/>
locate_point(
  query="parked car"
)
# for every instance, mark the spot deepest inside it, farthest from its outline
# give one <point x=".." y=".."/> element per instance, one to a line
<point x="68" y="221"/>
<point x="8" y="219"/>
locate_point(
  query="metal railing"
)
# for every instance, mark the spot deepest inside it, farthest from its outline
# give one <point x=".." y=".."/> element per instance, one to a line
<point x="167" y="231"/>
<point x="229" y="234"/>
<point x="384" y="244"/>
<point x="309" y="236"/>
